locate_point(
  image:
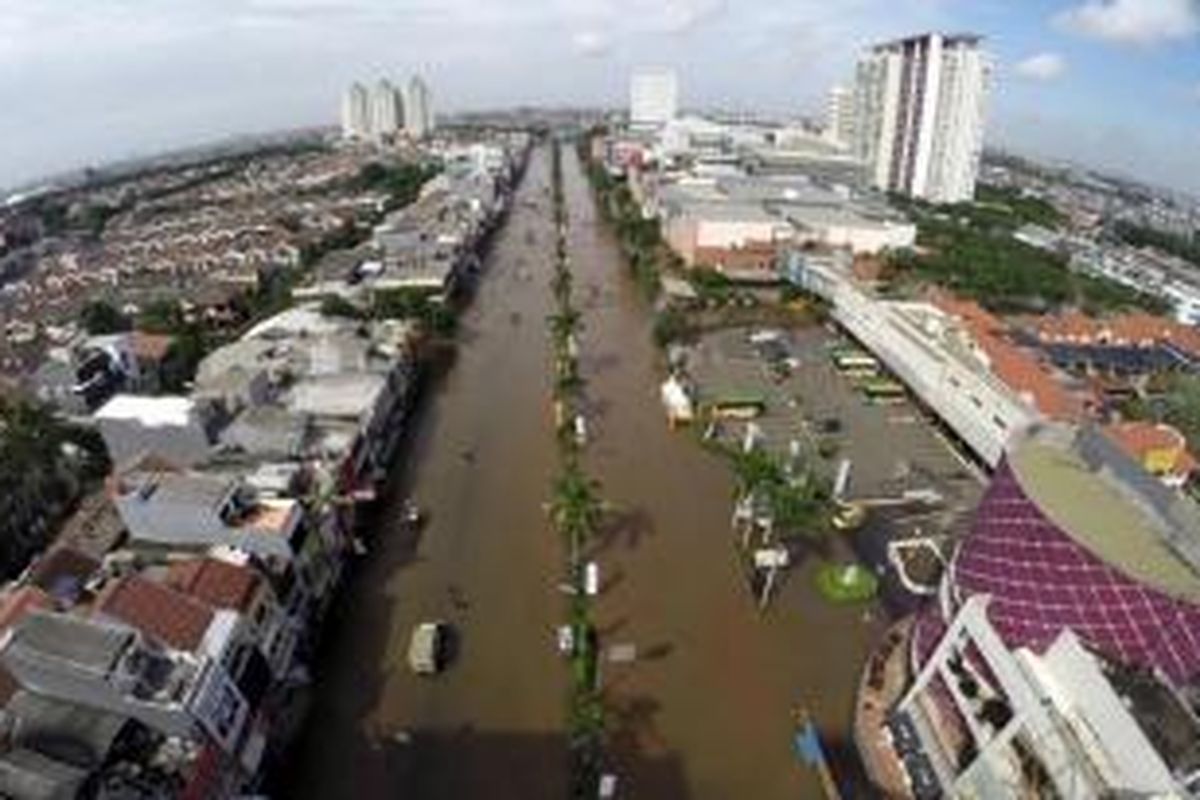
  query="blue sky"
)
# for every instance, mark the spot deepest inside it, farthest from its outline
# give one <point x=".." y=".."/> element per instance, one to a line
<point x="1114" y="83"/>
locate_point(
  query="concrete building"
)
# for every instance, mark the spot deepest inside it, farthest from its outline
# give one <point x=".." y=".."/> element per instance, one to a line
<point x="653" y="97"/>
<point x="919" y="115"/>
<point x="115" y="668"/>
<point x="178" y="429"/>
<point x="387" y="110"/>
<point x="744" y="220"/>
<point x="418" y="108"/>
<point x="839" y="117"/>
<point x="356" y="112"/>
<point x="977" y="384"/>
<point x="1074" y="533"/>
<point x="987" y="720"/>
<point x="197" y="511"/>
<point x="80" y="377"/>
<point x="1061" y="654"/>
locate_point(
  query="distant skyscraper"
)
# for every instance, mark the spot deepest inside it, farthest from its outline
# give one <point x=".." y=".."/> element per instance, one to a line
<point x="418" y="109"/>
<point x="387" y="110"/>
<point x="653" y="97"/>
<point x="839" y="116"/>
<point x="919" y="115"/>
<point x="356" y="112"/>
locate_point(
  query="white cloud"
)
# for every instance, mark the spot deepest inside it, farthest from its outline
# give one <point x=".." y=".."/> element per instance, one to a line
<point x="591" y="43"/>
<point x="1139" y="22"/>
<point x="1041" y="67"/>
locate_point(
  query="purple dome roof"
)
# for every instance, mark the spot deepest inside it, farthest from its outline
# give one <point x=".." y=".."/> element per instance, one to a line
<point x="1042" y="580"/>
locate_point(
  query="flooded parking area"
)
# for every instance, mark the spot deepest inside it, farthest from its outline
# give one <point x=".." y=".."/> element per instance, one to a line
<point x="806" y="390"/>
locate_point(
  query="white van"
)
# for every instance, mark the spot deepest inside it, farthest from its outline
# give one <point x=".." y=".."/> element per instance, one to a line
<point x="425" y="648"/>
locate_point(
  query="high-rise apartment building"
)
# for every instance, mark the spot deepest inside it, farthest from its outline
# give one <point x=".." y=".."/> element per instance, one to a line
<point x="839" y="116"/>
<point x="653" y="97"/>
<point x="356" y="112"/>
<point x="418" y="109"/>
<point x="387" y="110"/>
<point x="919" y="114"/>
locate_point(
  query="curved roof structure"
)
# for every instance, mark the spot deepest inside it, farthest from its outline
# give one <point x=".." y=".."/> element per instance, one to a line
<point x="1068" y="535"/>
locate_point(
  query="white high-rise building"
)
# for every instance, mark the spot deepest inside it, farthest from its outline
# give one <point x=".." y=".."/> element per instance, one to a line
<point x="919" y="115"/>
<point x="356" y="112"/>
<point x="387" y="110"/>
<point x="653" y="97"/>
<point x="839" y="117"/>
<point x="418" y="109"/>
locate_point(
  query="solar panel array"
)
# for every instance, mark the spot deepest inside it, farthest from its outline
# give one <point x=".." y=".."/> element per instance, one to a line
<point x="1041" y="581"/>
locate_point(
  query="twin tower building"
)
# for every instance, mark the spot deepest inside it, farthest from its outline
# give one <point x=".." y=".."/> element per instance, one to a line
<point x="385" y="111"/>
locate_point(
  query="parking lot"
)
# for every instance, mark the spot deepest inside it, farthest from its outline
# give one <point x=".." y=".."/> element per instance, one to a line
<point x="785" y="385"/>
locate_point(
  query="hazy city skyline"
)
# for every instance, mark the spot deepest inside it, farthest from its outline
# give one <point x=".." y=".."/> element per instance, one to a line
<point x="1112" y="83"/>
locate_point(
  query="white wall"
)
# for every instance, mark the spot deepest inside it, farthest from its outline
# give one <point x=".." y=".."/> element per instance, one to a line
<point x="980" y="409"/>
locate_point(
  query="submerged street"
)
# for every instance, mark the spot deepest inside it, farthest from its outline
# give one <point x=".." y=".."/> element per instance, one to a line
<point x="706" y="709"/>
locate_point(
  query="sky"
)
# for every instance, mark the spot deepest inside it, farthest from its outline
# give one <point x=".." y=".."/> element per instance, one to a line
<point x="1110" y="83"/>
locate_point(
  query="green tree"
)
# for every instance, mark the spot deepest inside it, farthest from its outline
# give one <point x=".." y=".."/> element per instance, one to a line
<point x="337" y="306"/>
<point x="575" y="509"/>
<point x="101" y="317"/>
<point x="163" y="315"/>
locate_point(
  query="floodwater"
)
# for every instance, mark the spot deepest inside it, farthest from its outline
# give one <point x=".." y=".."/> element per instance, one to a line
<point x="705" y="711"/>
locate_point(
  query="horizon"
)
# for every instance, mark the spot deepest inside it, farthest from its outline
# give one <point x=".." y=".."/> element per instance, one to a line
<point x="1113" y="84"/>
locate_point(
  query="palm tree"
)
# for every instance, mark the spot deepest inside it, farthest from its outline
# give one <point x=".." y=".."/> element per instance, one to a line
<point x="560" y="284"/>
<point x="576" y="509"/>
<point x="754" y="470"/>
<point x="801" y="506"/>
<point x="564" y="324"/>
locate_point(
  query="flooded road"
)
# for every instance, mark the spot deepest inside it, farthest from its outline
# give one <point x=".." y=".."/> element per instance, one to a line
<point x="705" y="710"/>
<point x="486" y="561"/>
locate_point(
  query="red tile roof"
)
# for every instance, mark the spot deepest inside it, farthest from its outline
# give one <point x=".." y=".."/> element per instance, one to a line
<point x="15" y="603"/>
<point x="173" y="618"/>
<point x="1131" y="330"/>
<point x="217" y="583"/>
<point x="1139" y="439"/>
<point x="1021" y="372"/>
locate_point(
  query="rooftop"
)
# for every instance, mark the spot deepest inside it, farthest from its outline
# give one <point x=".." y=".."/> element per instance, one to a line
<point x="174" y="619"/>
<point x="1100" y="497"/>
<point x="217" y="583"/>
<point x="177" y="488"/>
<point x="167" y="411"/>
<point x="88" y="643"/>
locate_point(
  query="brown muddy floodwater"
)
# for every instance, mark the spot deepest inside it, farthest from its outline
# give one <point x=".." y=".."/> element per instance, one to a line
<point x="706" y="710"/>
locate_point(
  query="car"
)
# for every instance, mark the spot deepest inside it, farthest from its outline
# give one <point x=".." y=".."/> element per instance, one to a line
<point x="566" y="640"/>
<point x="426" y="648"/>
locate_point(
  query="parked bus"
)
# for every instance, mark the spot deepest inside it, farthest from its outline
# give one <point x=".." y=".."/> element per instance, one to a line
<point x="853" y="359"/>
<point x="883" y="390"/>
